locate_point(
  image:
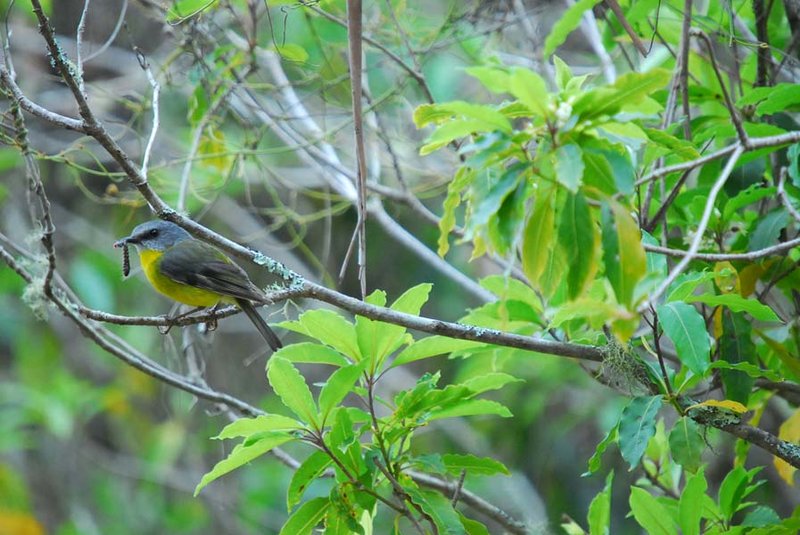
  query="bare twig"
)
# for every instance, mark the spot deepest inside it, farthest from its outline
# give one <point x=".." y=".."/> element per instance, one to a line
<point x="701" y="228"/>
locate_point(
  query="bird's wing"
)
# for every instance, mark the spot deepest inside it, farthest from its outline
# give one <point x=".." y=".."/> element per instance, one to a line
<point x="198" y="264"/>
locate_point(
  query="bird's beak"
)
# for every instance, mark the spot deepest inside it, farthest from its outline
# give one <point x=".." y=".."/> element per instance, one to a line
<point x="124" y="241"/>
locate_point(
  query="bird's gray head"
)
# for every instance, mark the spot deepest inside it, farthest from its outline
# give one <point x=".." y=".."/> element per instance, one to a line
<point x="156" y="235"/>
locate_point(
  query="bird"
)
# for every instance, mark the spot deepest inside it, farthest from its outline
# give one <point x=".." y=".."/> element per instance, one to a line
<point x="195" y="273"/>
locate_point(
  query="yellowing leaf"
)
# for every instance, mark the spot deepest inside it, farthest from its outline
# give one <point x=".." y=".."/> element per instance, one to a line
<point x="789" y="431"/>
<point x="734" y="406"/>
<point x="726" y="277"/>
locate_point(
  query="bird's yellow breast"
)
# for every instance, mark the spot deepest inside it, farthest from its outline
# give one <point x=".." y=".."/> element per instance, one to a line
<point x="183" y="293"/>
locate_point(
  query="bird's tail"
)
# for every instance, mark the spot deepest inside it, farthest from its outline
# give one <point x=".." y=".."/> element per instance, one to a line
<point x="268" y="334"/>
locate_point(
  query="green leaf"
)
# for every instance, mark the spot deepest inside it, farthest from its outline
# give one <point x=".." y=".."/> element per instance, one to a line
<point x="735" y="346"/>
<point x="750" y="369"/>
<point x="438" y="508"/>
<point x="650" y="514"/>
<point x="412" y="299"/>
<point x="244" y="427"/>
<point x="684" y="325"/>
<point x="471" y="407"/>
<point x="490" y="203"/>
<point x="537" y="242"/>
<point x="569" y="166"/>
<point x="339" y="384"/>
<point x="636" y="426"/>
<point x="453" y="130"/>
<point x="576" y="235"/>
<point x="732" y="491"/>
<point x="737" y="303"/>
<point x="599" y="516"/>
<point x="493" y="78"/>
<point x="439" y="113"/>
<point x="628" y="90"/>
<point x="623" y="253"/>
<point x="489" y="381"/>
<point x="329" y="328"/>
<point x="690" y="507"/>
<point x="687" y="444"/>
<point x="292" y="52"/>
<point x="473" y="465"/>
<point x="473" y="527"/>
<point x="594" y="461"/>
<point x="311" y="353"/>
<point x="241" y="455"/>
<point x="314" y="465"/>
<point x="563" y="73"/>
<point x="781" y="98"/>
<point x="290" y="386"/>
<point x="306" y="517"/>
<point x="530" y="89"/>
<point x="507" y="288"/>
<point x="432" y="346"/>
<point x="746" y="197"/>
<point x="567" y="22"/>
<point x="793" y="155"/>
<point x="463" y="178"/>
<point x="679" y="147"/>
<point x="768" y="230"/>
<point x="686" y="283"/>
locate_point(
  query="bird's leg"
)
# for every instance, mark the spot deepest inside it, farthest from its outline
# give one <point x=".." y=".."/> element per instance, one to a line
<point x="164" y="329"/>
<point x="212" y="322"/>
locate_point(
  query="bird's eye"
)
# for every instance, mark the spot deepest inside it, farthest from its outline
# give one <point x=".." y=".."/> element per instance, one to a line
<point x="153" y="233"/>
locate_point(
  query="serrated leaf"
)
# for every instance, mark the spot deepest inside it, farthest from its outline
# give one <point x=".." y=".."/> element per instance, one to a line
<point x="439" y="509"/>
<point x="686" y="443"/>
<point x="440" y="113"/>
<point x="576" y="235"/>
<point x="329" y="328"/>
<point x="489" y="381"/>
<point x="684" y="325"/>
<point x="314" y="465"/>
<point x="339" y="384"/>
<point x="650" y="513"/>
<point x="629" y="89"/>
<point x="473" y="465"/>
<point x="311" y="353"/>
<point x="493" y="78"/>
<point x="599" y="516"/>
<point x="636" y="426"/>
<point x="244" y="427"/>
<point x="463" y="178"/>
<point x="594" y="461"/>
<point x="306" y="517"/>
<point x="241" y="455"/>
<point x="292" y="389"/>
<point x="569" y="166"/>
<point x="530" y="89"/>
<point x="471" y="407"/>
<point x="473" y="527"/>
<point x="768" y="230"/>
<point x="537" y="242"/>
<point x="690" y="507"/>
<point x="432" y="346"/>
<point x="566" y="24"/>
<point x="679" y="147"/>
<point x="750" y="369"/>
<point x="737" y="303"/>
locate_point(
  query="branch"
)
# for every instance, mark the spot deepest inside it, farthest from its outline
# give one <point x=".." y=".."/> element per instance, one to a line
<point x="701" y="228"/>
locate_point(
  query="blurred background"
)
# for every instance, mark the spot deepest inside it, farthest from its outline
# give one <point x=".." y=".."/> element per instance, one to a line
<point x="254" y="140"/>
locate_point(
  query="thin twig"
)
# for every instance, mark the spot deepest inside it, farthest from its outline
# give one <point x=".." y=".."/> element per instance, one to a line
<point x="79" y="45"/>
<point x="701" y="228"/>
